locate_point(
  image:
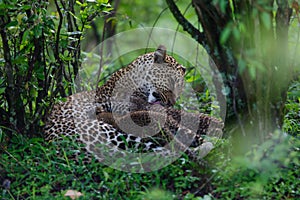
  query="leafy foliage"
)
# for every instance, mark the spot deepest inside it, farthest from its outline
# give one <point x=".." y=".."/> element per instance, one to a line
<point x="250" y="45"/>
<point x="32" y="169"/>
<point x="41" y="45"/>
<point x="292" y="117"/>
<point x="270" y="170"/>
<point x="41" y="57"/>
<point x="39" y="170"/>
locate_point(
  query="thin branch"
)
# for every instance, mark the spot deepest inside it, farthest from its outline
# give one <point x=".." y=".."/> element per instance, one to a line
<point x="58" y="29"/>
<point x="9" y="93"/>
<point x="154" y="24"/>
<point x="177" y="28"/>
<point x="60" y="72"/>
<point x="186" y="25"/>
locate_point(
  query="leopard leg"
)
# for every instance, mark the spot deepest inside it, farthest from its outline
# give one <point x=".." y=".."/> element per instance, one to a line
<point x="176" y="136"/>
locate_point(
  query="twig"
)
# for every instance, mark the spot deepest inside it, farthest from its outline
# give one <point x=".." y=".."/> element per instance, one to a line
<point x="60" y="72"/>
<point x="186" y="25"/>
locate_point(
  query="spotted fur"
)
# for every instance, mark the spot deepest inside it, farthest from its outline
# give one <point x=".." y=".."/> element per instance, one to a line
<point x="133" y="112"/>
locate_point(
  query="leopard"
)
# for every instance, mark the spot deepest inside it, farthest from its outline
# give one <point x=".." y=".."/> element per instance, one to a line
<point x="133" y="113"/>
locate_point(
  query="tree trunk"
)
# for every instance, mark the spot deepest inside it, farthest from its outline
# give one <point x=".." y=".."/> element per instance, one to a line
<point x="258" y="86"/>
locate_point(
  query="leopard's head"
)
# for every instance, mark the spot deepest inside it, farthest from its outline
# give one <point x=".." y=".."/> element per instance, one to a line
<point x="152" y="78"/>
<point x="166" y="79"/>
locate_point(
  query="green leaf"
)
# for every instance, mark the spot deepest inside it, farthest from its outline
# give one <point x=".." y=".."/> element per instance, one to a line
<point x="252" y="72"/>
<point x="223" y="5"/>
<point x="12" y="24"/>
<point x="82" y="4"/>
<point x="236" y="33"/>
<point x="39" y="71"/>
<point x="25" y="36"/>
<point x="37" y="30"/>
<point x="19" y="59"/>
<point x="225" y="35"/>
<point x="2" y="90"/>
<point x="26" y="7"/>
<point x="2" y="80"/>
<point x="241" y="65"/>
<point x="102" y="1"/>
<point x="24" y="39"/>
<point x="266" y="19"/>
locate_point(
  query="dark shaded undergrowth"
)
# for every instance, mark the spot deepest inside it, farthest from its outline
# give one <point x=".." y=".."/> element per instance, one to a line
<point x="33" y="169"/>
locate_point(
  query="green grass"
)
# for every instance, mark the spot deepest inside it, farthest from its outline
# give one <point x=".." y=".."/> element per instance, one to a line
<point x="292" y="108"/>
<point x="270" y="170"/>
<point x="34" y="169"/>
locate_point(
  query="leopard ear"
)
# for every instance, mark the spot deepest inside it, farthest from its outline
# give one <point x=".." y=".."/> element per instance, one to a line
<point x="160" y="54"/>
